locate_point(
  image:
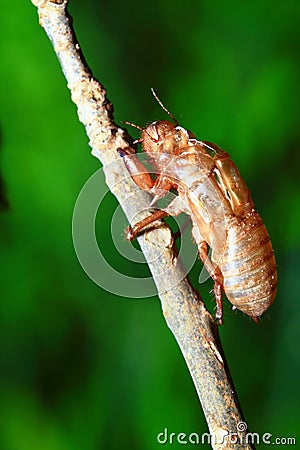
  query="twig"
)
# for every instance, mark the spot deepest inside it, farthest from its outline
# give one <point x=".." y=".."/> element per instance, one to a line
<point x="183" y="309"/>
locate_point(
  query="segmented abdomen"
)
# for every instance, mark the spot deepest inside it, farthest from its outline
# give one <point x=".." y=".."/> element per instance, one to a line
<point x="248" y="265"/>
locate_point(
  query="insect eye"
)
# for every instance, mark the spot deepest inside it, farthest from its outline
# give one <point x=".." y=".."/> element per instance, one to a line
<point x="181" y="135"/>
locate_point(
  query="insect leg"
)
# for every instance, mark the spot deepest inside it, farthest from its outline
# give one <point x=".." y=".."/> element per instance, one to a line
<point x="162" y="186"/>
<point x="218" y="286"/>
<point x="143" y="180"/>
<point x="173" y="209"/>
<point x="132" y="232"/>
<point x="137" y="170"/>
<point x="216" y="275"/>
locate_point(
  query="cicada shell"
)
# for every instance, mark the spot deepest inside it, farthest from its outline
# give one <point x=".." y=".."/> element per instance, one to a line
<point x="211" y="190"/>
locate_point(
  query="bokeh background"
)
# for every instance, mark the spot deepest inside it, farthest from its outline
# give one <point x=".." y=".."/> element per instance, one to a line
<point x="80" y="367"/>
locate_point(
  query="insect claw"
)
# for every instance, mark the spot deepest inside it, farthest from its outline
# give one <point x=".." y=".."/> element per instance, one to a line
<point x="121" y="153"/>
<point x="255" y="319"/>
<point x="125" y="151"/>
<point x="137" y="141"/>
<point x="129" y="234"/>
<point x="218" y="320"/>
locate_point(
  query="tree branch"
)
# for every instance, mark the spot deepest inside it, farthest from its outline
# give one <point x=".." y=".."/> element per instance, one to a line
<point x="183" y="309"/>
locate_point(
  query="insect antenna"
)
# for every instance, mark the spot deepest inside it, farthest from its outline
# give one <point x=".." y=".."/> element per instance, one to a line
<point x="135" y="126"/>
<point x="163" y="107"/>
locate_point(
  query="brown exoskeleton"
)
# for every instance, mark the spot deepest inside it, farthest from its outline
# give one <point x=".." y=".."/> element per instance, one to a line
<point x="212" y="192"/>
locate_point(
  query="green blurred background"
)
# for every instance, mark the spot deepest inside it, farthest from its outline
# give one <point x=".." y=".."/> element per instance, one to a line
<point x="80" y="367"/>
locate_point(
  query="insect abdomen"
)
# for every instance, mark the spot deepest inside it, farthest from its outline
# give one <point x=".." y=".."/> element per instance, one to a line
<point x="248" y="265"/>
